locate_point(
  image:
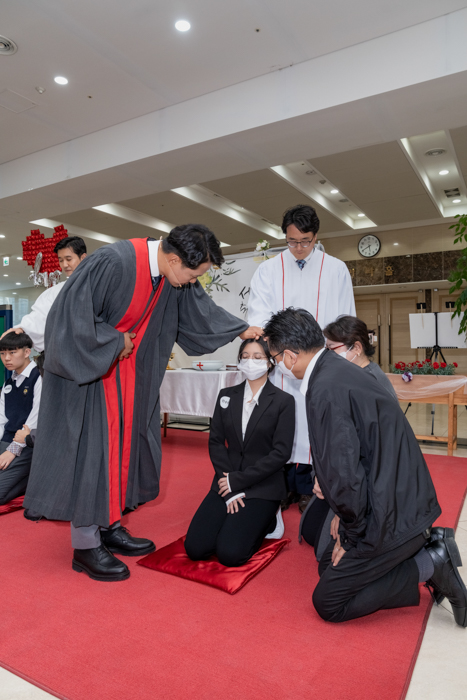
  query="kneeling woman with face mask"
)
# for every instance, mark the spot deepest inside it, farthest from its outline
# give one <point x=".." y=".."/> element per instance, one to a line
<point x="250" y="442"/>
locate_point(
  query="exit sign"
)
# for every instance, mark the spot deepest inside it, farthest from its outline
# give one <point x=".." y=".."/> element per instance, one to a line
<point x="6" y="262"/>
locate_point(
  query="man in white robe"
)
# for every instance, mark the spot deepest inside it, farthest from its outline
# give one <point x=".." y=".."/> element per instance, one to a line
<point x="304" y="277"/>
<point x="70" y="252"/>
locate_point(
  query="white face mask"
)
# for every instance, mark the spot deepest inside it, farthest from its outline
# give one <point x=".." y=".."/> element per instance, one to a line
<point x="285" y="370"/>
<point x="344" y="354"/>
<point x="253" y="369"/>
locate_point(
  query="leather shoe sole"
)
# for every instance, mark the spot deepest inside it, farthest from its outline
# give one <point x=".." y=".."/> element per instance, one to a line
<point x="459" y="612"/>
<point x="80" y="567"/>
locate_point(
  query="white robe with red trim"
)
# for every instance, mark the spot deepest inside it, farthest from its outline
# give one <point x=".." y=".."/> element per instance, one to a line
<point x="324" y="288"/>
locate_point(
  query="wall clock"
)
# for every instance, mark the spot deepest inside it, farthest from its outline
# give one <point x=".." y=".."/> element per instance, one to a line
<point x="369" y="246"/>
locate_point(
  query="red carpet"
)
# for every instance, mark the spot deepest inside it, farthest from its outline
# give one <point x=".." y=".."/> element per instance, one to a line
<point x="157" y="636"/>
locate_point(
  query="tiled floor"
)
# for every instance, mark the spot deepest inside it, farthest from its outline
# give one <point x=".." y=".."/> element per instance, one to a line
<point x="441" y="669"/>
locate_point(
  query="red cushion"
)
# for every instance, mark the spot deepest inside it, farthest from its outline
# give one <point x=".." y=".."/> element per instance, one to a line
<point x="173" y="559"/>
<point x="15" y="504"/>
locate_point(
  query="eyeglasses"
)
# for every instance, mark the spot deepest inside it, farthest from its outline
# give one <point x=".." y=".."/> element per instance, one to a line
<point x="256" y="356"/>
<point x="328" y="347"/>
<point x="302" y="244"/>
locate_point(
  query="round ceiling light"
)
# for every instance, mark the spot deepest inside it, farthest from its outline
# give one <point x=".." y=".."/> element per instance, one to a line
<point x="7" y="46"/>
<point x="18" y="282"/>
<point x="456" y="201"/>
<point x="60" y="80"/>
<point x="182" y="25"/>
<point x="443" y="172"/>
<point x="360" y="215"/>
<point x="435" y="152"/>
<point x="334" y="191"/>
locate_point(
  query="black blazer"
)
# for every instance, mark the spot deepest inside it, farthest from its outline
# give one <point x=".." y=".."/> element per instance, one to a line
<point x="367" y="459"/>
<point x="256" y="464"/>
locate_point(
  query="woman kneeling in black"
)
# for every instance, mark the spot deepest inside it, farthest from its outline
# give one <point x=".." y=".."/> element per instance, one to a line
<point x="251" y="440"/>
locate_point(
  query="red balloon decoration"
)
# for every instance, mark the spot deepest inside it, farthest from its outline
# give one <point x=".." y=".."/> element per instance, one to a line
<point x="37" y="243"/>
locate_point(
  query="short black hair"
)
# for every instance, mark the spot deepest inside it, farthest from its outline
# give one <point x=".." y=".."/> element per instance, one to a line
<point x="293" y="329"/>
<point x="348" y="330"/>
<point x="76" y="243"/>
<point x="303" y="217"/>
<point x="194" y="244"/>
<point x="15" y="341"/>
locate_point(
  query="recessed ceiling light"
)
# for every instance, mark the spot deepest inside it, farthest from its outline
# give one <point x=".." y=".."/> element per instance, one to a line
<point x="15" y="292"/>
<point x="360" y="215"/>
<point x="18" y="283"/>
<point x="182" y="25"/>
<point x="61" y="80"/>
<point x="443" y="172"/>
<point x="5" y="275"/>
<point x="435" y="152"/>
<point x="456" y="201"/>
<point x="19" y="258"/>
<point x="7" y="46"/>
<point x="396" y="243"/>
<point x="1" y="235"/>
<point x="334" y="191"/>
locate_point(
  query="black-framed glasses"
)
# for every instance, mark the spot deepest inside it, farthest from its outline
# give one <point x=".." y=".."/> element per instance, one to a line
<point x="303" y="244"/>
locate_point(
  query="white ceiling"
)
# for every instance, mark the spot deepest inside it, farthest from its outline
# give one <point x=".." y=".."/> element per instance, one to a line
<point x="125" y="59"/>
<point x="132" y="62"/>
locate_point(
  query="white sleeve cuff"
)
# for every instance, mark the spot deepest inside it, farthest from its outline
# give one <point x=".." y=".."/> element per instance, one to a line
<point x="234" y="498"/>
<point x="228" y="483"/>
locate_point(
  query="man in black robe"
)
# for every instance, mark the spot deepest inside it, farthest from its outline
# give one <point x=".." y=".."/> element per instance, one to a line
<point x="108" y="339"/>
<point x="373" y="475"/>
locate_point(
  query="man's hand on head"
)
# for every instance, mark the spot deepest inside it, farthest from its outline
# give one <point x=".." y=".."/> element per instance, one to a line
<point x="10" y="330"/>
<point x="252" y="332"/>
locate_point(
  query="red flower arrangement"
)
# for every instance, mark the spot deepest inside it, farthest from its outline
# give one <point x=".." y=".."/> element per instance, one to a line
<point x="424" y="367"/>
<point x="37" y="243"/>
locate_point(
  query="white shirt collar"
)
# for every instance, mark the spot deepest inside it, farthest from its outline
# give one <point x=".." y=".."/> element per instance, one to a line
<point x="25" y="373"/>
<point x="248" y="394"/>
<point x="309" y="370"/>
<point x="308" y="257"/>
<point x="153" y="249"/>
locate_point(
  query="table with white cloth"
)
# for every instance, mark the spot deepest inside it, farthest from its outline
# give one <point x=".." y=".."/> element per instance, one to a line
<point x="194" y="393"/>
<point x="435" y="389"/>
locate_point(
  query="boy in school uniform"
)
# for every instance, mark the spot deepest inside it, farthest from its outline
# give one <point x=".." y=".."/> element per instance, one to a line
<point x="19" y="410"/>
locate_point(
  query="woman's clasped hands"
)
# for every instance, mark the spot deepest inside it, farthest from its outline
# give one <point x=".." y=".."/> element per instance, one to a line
<point x="224" y="489"/>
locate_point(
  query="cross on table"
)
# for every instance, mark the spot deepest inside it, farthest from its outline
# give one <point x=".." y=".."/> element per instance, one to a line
<point x="200" y="365"/>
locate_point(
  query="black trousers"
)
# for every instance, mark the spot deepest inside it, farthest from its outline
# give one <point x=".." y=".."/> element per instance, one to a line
<point x="299" y="478"/>
<point x="233" y="538"/>
<point x="358" y="586"/>
<point x="14" y="479"/>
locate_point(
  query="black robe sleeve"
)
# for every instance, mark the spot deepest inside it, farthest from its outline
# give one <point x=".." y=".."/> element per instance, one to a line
<point x="203" y="327"/>
<point x="80" y="343"/>
<point x="341" y="474"/>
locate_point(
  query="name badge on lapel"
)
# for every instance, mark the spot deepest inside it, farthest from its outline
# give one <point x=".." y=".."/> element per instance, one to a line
<point x="7" y="389"/>
<point x="225" y="400"/>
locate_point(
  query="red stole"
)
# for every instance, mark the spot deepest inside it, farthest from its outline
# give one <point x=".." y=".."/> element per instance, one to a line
<point x="136" y="319"/>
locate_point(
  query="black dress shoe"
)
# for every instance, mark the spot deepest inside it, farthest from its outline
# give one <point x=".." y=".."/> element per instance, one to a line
<point x="99" y="564"/>
<point x="120" y="541"/>
<point x="305" y="498"/>
<point x="32" y="515"/>
<point x="446" y="580"/>
<point x="292" y="497"/>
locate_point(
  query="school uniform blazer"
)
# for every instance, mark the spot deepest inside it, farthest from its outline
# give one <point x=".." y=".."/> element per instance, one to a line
<point x="255" y="464"/>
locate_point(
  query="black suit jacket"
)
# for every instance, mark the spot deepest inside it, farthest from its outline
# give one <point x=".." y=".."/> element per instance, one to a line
<point x="255" y="464"/>
<point x="367" y="459"/>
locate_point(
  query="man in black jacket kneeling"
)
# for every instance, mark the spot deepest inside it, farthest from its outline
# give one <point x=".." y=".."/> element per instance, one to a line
<point x="373" y="475"/>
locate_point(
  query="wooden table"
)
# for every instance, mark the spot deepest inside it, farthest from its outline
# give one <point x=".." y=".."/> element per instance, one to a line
<point x="418" y="391"/>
